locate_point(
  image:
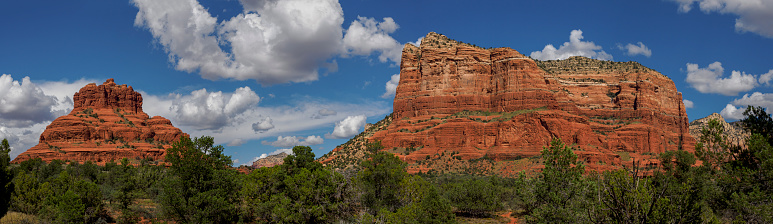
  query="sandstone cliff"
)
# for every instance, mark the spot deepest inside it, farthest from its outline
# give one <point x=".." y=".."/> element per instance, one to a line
<point x="269" y="161"/>
<point x="106" y="123"/>
<point x="497" y="104"/>
<point x="735" y="134"/>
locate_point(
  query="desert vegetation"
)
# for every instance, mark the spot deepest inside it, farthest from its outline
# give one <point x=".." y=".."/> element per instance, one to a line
<point x="720" y="183"/>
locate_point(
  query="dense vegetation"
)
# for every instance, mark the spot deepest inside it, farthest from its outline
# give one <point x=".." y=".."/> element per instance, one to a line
<point x="720" y="183"/>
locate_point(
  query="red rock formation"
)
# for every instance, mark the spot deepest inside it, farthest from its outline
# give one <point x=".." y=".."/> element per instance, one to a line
<point x="498" y="103"/>
<point x="107" y="123"/>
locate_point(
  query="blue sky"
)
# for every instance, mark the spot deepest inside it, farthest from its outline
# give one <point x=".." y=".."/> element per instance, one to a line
<point x="262" y="75"/>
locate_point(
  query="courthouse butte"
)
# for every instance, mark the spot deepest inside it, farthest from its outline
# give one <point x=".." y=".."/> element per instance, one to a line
<point x="459" y="107"/>
<point x="106" y="124"/>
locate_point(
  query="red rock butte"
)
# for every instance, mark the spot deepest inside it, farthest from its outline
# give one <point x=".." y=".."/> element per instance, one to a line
<point x="107" y="123"/>
<point x="470" y="102"/>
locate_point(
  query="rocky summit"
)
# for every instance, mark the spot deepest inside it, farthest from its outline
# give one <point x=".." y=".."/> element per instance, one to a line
<point x="107" y="123"/>
<point x="463" y="107"/>
<point x="270" y="161"/>
<point x="734" y="133"/>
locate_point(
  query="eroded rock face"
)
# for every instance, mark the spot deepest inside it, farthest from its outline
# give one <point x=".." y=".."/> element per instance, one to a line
<point x="107" y="123"/>
<point x="270" y="161"/>
<point x="735" y="134"/>
<point x="455" y="98"/>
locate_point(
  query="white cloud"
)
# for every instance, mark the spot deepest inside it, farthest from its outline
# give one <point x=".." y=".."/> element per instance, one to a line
<point x="753" y="15"/>
<point x="287" y="119"/>
<point x="314" y="140"/>
<point x="263" y="125"/>
<point x="765" y="78"/>
<point x="236" y="142"/>
<point x="756" y="99"/>
<point x="708" y="80"/>
<point x="205" y="110"/>
<point x="292" y="141"/>
<point x="688" y="104"/>
<point x="348" y="127"/>
<point x="366" y="35"/>
<point x="324" y="113"/>
<point x="633" y="50"/>
<point x="24" y="103"/>
<point x="391" y="86"/>
<point x="418" y="42"/>
<point x="732" y="113"/>
<point x="270" y="41"/>
<point x="575" y="47"/>
<point x="735" y="109"/>
<point x="64" y="91"/>
<point x="26" y="108"/>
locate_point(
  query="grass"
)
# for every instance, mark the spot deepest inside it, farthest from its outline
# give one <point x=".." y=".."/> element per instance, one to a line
<point x="17" y="217"/>
<point x="624" y="156"/>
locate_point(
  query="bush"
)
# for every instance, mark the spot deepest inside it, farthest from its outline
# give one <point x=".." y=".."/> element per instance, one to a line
<point x="299" y="191"/>
<point x="475" y="197"/>
<point x="201" y="187"/>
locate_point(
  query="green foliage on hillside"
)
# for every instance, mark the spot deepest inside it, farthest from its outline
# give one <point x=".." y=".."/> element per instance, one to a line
<point x="730" y="185"/>
<point x="201" y="187"/>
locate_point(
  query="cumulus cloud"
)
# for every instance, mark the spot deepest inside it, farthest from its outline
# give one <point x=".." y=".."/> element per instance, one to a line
<point x="730" y="112"/>
<point x="418" y="42"/>
<point x="205" y="110"/>
<point x="366" y="35"/>
<point x="236" y="142"/>
<point x="756" y="99"/>
<point x="753" y="16"/>
<point x="287" y="119"/>
<point x="736" y="108"/>
<point x="765" y="78"/>
<point x="24" y="103"/>
<point x="292" y="141"/>
<point x="324" y="113"/>
<point x="639" y="49"/>
<point x="270" y="41"/>
<point x="575" y="47"/>
<point x="688" y="103"/>
<point x="263" y="125"/>
<point x="708" y="80"/>
<point x="26" y="108"/>
<point x="391" y="86"/>
<point x="348" y="127"/>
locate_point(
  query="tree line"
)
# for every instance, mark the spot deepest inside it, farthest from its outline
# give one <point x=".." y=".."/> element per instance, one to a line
<point x="719" y="183"/>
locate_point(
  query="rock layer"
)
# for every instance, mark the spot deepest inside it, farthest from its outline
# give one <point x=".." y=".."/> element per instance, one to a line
<point x="456" y="98"/>
<point x="734" y="133"/>
<point x="269" y="161"/>
<point x="106" y="123"/>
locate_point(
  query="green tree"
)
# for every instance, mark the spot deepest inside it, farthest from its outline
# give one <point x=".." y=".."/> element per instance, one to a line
<point x="299" y="191"/>
<point x="201" y="188"/>
<point x="712" y="147"/>
<point x="476" y="197"/>
<point x="380" y="180"/>
<point x="629" y="197"/>
<point x="430" y="208"/>
<point x="758" y="121"/>
<point x="560" y="189"/>
<point x="69" y="199"/>
<point x="6" y="184"/>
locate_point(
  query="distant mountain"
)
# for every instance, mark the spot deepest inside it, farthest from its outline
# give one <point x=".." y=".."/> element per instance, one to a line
<point x="270" y="161"/>
<point x="735" y="133"/>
